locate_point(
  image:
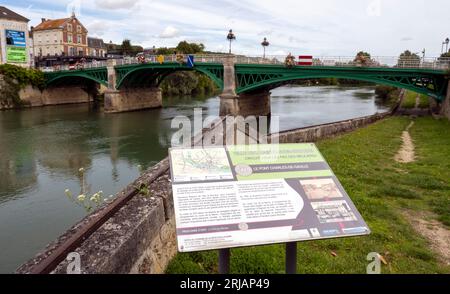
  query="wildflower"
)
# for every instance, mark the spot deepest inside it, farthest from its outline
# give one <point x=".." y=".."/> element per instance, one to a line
<point x="68" y="193"/>
<point x="81" y="197"/>
<point x="81" y="170"/>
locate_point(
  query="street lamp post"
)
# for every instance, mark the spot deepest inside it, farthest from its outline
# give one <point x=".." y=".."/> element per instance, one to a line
<point x="265" y="43"/>
<point x="231" y="37"/>
<point x="446" y="41"/>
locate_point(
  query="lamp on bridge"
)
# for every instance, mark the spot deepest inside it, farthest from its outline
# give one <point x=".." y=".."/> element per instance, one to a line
<point x="231" y="37"/>
<point x="446" y="41"/>
<point x="265" y="43"/>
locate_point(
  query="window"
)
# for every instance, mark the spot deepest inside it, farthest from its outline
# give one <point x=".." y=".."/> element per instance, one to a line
<point x="79" y="29"/>
<point x="69" y="27"/>
<point x="79" y="39"/>
<point x="69" y="38"/>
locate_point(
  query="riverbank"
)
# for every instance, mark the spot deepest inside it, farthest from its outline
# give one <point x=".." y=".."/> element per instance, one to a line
<point x="382" y="190"/>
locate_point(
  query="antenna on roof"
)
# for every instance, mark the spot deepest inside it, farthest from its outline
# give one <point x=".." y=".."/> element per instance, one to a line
<point x="73" y="12"/>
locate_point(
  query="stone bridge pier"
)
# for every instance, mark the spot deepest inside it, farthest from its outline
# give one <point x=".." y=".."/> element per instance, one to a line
<point x="246" y="104"/>
<point x="129" y="99"/>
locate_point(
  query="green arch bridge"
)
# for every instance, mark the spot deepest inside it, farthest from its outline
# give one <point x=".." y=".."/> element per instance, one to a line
<point x="237" y="76"/>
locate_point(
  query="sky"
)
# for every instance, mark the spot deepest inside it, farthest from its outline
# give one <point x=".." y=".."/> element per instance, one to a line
<point x="313" y="27"/>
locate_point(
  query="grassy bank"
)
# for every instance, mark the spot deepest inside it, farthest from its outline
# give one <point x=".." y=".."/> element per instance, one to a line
<point x="382" y="190"/>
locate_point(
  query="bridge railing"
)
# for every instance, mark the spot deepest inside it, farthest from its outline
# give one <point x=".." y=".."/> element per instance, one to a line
<point x="338" y="61"/>
<point x="86" y="65"/>
<point x="347" y="61"/>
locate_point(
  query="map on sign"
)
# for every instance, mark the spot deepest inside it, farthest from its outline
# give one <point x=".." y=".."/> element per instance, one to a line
<point x="240" y="196"/>
<point x="189" y="165"/>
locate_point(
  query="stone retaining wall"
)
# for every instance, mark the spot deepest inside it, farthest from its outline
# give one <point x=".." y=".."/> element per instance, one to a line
<point x="312" y="134"/>
<point x="33" y="97"/>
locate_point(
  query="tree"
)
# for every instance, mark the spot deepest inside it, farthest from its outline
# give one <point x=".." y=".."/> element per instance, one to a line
<point x="126" y="47"/>
<point x="445" y="55"/>
<point x="165" y="51"/>
<point x="363" y="58"/>
<point x="408" y="59"/>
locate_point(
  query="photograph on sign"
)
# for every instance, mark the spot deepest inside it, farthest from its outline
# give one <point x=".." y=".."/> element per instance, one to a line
<point x="237" y="196"/>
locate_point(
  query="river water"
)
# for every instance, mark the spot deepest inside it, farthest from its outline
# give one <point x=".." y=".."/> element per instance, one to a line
<point x="42" y="149"/>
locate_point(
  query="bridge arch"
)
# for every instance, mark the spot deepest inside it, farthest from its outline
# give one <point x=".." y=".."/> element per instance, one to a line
<point x="153" y="75"/>
<point x="99" y="76"/>
<point x="428" y="83"/>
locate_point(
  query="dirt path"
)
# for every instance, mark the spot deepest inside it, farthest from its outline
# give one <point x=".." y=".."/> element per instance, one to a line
<point x="436" y="233"/>
<point x="406" y="153"/>
<point x="417" y="102"/>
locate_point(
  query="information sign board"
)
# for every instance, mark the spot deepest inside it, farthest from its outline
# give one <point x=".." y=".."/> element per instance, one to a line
<point x="239" y="196"/>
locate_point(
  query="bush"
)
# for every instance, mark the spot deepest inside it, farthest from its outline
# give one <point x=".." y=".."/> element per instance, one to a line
<point x="187" y="83"/>
<point x="23" y="76"/>
<point x="383" y="92"/>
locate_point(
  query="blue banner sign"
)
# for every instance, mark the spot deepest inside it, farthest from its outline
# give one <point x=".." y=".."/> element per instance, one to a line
<point x="15" y="38"/>
<point x="190" y="61"/>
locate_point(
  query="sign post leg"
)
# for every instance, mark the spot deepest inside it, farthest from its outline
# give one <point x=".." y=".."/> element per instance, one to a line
<point x="224" y="261"/>
<point x="291" y="258"/>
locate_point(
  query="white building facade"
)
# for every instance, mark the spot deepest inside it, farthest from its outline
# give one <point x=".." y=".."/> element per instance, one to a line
<point x="14" y="39"/>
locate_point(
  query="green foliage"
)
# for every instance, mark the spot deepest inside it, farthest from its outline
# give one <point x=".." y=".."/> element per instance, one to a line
<point x="187" y="83"/>
<point x="383" y="91"/>
<point x="16" y="78"/>
<point x="365" y="54"/>
<point x="126" y="47"/>
<point x="382" y="190"/>
<point x="389" y="95"/>
<point x="183" y="47"/>
<point x="143" y="189"/>
<point x="189" y="48"/>
<point x="165" y="51"/>
<point x="409" y="101"/>
<point x="424" y="101"/>
<point x="408" y="59"/>
<point x="23" y="76"/>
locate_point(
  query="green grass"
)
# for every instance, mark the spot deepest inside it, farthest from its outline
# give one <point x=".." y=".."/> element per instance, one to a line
<point x="409" y="102"/>
<point x="381" y="190"/>
<point x="424" y="101"/>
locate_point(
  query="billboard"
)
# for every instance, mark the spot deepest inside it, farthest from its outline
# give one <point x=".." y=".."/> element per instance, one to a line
<point x="16" y="44"/>
<point x="15" y="38"/>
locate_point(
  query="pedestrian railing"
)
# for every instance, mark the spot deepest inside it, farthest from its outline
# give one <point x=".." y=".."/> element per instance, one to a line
<point x="438" y="63"/>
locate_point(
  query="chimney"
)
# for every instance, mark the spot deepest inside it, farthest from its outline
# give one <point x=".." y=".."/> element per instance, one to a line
<point x="42" y="20"/>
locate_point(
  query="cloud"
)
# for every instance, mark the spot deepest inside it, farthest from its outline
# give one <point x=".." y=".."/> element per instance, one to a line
<point x="98" y="27"/>
<point x="320" y="27"/>
<point x="169" y="32"/>
<point x="116" y="4"/>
